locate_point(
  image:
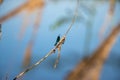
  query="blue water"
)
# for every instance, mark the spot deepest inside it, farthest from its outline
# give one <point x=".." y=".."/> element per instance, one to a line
<point x="12" y="49"/>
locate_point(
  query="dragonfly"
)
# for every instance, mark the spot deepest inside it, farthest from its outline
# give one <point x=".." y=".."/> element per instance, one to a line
<point x="57" y="40"/>
<point x="59" y="50"/>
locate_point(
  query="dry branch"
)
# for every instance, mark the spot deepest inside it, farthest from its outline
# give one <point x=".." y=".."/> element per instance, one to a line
<point x="58" y="46"/>
<point x="30" y="5"/>
<point x="90" y="68"/>
<point x="41" y="60"/>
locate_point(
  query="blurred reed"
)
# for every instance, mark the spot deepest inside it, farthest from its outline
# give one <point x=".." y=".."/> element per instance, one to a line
<point x="1" y="1"/>
<point x="30" y="6"/>
<point x="90" y="68"/>
<point x="29" y="48"/>
<point x="0" y="31"/>
<point x="108" y="19"/>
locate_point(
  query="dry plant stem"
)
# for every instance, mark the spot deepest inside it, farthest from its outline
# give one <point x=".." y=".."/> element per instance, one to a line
<point x="90" y="68"/>
<point x="1" y="1"/>
<point x="32" y="40"/>
<point x="26" y="21"/>
<point x="12" y="13"/>
<point x="37" y="23"/>
<point x="31" y="3"/>
<point x="74" y="18"/>
<point x="59" y="44"/>
<point x="108" y="18"/>
<point x="58" y="57"/>
<point x="27" y="56"/>
<point x="41" y="60"/>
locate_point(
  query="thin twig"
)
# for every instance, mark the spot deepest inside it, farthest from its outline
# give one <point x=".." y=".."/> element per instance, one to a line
<point x="59" y="44"/>
<point x="41" y="60"/>
<point x="58" y="57"/>
<point x="74" y="18"/>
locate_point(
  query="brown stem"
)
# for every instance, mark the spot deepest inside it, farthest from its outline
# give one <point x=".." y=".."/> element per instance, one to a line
<point x="90" y="68"/>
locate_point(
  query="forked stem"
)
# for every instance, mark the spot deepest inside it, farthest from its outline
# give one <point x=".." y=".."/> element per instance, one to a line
<point x="59" y="44"/>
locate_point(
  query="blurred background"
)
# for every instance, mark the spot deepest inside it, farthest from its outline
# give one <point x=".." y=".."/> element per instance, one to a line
<point x="29" y="33"/>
